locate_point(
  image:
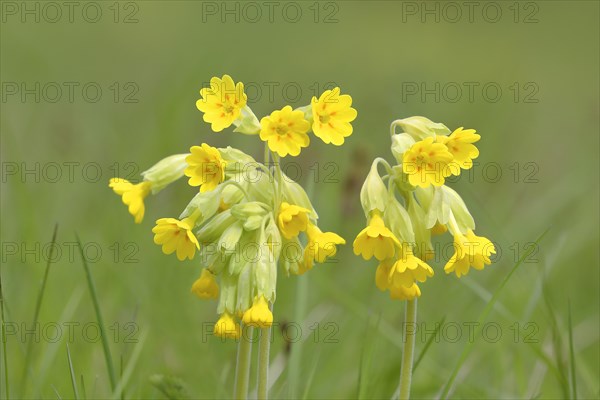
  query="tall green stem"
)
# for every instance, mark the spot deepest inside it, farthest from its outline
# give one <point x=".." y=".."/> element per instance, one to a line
<point x="242" y="368"/>
<point x="409" y="348"/>
<point x="263" y="363"/>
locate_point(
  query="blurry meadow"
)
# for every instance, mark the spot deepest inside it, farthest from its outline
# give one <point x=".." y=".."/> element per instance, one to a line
<point x="527" y="80"/>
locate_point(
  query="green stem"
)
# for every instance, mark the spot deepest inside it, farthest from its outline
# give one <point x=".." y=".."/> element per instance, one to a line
<point x="242" y="368"/>
<point x="409" y="348"/>
<point x="263" y="363"/>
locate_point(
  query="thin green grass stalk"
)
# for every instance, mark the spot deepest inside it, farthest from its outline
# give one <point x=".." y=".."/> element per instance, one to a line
<point x="264" y="347"/>
<point x="38" y="307"/>
<point x="410" y="333"/>
<point x="119" y="390"/>
<point x="83" y="388"/>
<point x="242" y="367"/>
<point x="296" y="348"/>
<point x="429" y="343"/>
<point x="72" y="372"/>
<point x="365" y="359"/>
<point x="572" y="357"/>
<point x="465" y="352"/>
<point x="92" y="287"/>
<point x="557" y="343"/>
<point x="3" y="329"/>
<point x="58" y="396"/>
<point x="311" y="377"/>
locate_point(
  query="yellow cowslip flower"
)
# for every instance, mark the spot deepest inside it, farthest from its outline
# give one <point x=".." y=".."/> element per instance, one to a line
<point x="427" y="163"/>
<point x="133" y="195"/>
<point x="382" y="275"/>
<point x="206" y="286"/>
<point x="175" y="235"/>
<point x="222" y="102"/>
<point x="470" y="250"/>
<point x="399" y="292"/>
<point x="206" y="167"/>
<point x="259" y="314"/>
<point x="376" y="239"/>
<point x="408" y="269"/>
<point x="226" y="327"/>
<point x="332" y="114"/>
<point x="321" y="245"/>
<point x="438" y="229"/>
<point x="285" y="131"/>
<point x="460" y="145"/>
<point x="292" y="219"/>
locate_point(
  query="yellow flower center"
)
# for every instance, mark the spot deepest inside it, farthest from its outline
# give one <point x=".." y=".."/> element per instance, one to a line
<point x="324" y="118"/>
<point x="282" y="130"/>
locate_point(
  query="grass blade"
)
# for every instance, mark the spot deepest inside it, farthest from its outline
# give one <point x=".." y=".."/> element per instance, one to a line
<point x="365" y="361"/>
<point x="3" y="330"/>
<point x="465" y="352"/>
<point x="429" y="342"/>
<point x="572" y="357"/>
<point x="310" y="378"/>
<point x="38" y="307"/>
<point x="92" y="287"/>
<point x="118" y="391"/>
<point x="73" y="381"/>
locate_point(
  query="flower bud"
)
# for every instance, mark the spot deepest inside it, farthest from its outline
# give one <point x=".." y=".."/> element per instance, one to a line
<point x="373" y="194"/>
<point x="397" y="218"/>
<point x="166" y="171"/>
<point x="400" y="143"/>
<point x="420" y="127"/>
<point x="247" y="123"/>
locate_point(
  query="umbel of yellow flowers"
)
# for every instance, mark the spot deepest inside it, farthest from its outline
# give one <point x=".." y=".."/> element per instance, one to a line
<point x="247" y="219"/>
<point x="411" y="203"/>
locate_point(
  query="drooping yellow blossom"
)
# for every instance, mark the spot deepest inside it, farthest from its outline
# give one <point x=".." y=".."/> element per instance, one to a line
<point x="427" y="163"/>
<point x="321" y="245"/>
<point x="292" y="219"/>
<point x="438" y="229"/>
<point x="226" y="327"/>
<point x="332" y="114"/>
<point x="376" y="239"/>
<point x="132" y="195"/>
<point x="222" y="102"/>
<point x="382" y="275"/>
<point x="408" y="269"/>
<point x="399" y="292"/>
<point x="206" y="167"/>
<point x="259" y="314"/>
<point x="206" y="286"/>
<point x="285" y="131"/>
<point x="175" y="235"/>
<point x="460" y="145"/>
<point x="470" y="250"/>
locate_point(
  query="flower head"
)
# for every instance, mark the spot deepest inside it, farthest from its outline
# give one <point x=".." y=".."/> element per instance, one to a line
<point x="399" y="292"/>
<point x="259" y="314"/>
<point x="427" y="163"/>
<point x="206" y="167"/>
<point x="470" y="250"/>
<point x="408" y="269"/>
<point x="376" y="239"/>
<point x="292" y="219"/>
<point x="460" y="145"/>
<point x="175" y="235"/>
<point x="222" y="102"/>
<point x="285" y="131"/>
<point x="206" y="286"/>
<point x="132" y="195"/>
<point x="321" y="245"/>
<point x="226" y="327"/>
<point x="332" y="114"/>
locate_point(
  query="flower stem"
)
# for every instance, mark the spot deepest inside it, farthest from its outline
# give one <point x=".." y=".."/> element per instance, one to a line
<point x="263" y="363"/>
<point x="242" y="368"/>
<point x="409" y="348"/>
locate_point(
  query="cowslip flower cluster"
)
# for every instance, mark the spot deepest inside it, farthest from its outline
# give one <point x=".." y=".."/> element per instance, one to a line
<point x="247" y="219"/>
<point x="410" y="203"/>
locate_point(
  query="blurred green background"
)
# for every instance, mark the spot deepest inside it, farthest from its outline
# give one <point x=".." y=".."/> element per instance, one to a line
<point x="150" y="58"/>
